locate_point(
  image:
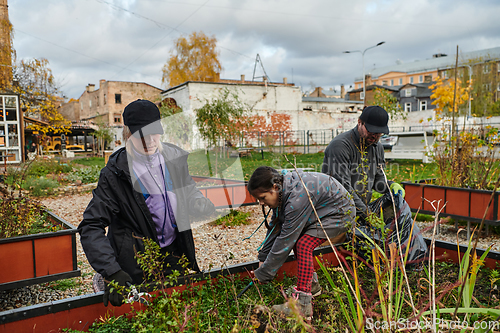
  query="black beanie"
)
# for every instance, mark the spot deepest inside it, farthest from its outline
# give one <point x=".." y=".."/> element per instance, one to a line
<point x="142" y="114"/>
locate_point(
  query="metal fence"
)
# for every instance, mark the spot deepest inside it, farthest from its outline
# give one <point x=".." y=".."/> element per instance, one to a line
<point x="313" y="141"/>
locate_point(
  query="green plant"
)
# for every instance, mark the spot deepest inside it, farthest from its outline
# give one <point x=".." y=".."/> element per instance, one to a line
<point x="109" y="324"/>
<point x="215" y="119"/>
<point x="85" y="175"/>
<point x="233" y="219"/>
<point x="39" y="187"/>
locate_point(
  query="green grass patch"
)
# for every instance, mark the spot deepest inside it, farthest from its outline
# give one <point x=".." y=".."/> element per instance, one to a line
<point x="396" y="170"/>
<point x="423" y="217"/>
<point x="90" y="161"/>
<point x="63" y="285"/>
<point x="233" y="219"/>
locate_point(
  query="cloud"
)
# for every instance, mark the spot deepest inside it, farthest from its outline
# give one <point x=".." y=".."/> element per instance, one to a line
<point x="89" y="40"/>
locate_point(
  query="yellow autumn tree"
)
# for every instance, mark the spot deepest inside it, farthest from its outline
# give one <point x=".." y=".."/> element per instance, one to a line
<point x="193" y="59"/>
<point x="6" y="52"/>
<point x="443" y="94"/>
<point x="38" y="95"/>
<point x="463" y="156"/>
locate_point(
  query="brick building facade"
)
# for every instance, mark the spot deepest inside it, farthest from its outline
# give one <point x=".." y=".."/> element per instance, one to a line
<point x="106" y="104"/>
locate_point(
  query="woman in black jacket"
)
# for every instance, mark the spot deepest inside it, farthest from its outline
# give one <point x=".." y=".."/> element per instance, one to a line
<point x="144" y="191"/>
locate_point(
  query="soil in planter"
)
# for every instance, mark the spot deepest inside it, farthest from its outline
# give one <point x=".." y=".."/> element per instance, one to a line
<point x="213" y="307"/>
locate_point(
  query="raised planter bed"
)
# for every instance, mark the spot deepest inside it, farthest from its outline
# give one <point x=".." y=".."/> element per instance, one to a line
<point x="225" y="193"/>
<point x="461" y="203"/>
<point x="80" y="312"/>
<point x="39" y="258"/>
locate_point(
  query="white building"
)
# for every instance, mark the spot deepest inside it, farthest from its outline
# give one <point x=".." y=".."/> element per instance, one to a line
<point x="265" y="98"/>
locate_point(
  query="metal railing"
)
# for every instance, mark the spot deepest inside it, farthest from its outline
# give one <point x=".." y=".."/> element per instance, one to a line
<point x="316" y="140"/>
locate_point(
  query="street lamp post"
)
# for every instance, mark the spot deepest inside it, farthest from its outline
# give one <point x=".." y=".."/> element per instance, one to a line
<point x="363" y="59"/>
<point x="470" y="91"/>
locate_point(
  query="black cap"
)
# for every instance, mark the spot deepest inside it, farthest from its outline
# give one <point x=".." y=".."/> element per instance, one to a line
<point x="375" y="119"/>
<point x="142" y="115"/>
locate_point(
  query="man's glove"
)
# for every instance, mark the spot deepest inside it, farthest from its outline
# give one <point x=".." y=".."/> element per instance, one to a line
<point x="203" y="206"/>
<point x="396" y="188"/>
<point x="114" y="297"/>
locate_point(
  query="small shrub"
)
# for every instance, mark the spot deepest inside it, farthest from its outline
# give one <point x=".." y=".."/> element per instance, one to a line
<point x="21" y="216"/>
<point x="85" y="175"/>
<point x="41" y="168"/>
<point x="41" y="186"/>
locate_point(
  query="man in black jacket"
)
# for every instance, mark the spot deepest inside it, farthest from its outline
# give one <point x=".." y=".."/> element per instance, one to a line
<point x="355" y="158"/>
<point x="144" y="191"/>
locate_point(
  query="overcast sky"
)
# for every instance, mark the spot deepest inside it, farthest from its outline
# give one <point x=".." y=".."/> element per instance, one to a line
<point x="303" y="40"/>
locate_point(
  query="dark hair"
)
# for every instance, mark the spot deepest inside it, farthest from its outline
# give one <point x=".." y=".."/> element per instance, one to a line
<point x="263" y="179"/>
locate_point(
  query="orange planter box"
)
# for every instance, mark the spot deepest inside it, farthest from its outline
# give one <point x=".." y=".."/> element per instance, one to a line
<point x="39" y="258"/>
<point x="226" y="192"/>
<point x="461" y="203"/>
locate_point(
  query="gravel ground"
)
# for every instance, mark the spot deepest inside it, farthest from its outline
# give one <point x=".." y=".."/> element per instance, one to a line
<point x="216" y="246"/>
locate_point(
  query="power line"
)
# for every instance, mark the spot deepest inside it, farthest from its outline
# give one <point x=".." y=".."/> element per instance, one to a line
<point x="161" y="25"/>
<point x="164" y="37"/>
<point x="348" y="19"/>
<point x="74" y="51"/>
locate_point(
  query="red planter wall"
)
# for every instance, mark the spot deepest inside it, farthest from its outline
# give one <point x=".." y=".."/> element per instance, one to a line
<point x="226" y="193"/>
<point x="466" y="204"/>
<point x="39" y="258"/>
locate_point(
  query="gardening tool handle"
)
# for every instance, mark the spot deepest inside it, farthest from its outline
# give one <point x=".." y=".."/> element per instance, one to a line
<point x="245" y="289"/>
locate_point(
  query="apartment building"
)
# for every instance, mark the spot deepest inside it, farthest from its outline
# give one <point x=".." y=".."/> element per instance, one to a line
<point x="426" y="71"/>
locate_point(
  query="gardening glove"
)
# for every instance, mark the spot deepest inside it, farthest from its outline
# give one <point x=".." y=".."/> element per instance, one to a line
<point x="396" y="188"/>
<point x="204" y="207"/>
<point x="114" y="297"/>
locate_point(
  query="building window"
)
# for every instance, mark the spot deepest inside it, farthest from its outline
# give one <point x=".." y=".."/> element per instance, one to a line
<point x="411" y="79"/>
<point x="408" y="107"/>
<point x="97" y="99"/>
<point x="420" y="78"/>
<point x="118" y="98"/>
<point x="118" y="119"/>
<point x="400" y="81"/>
<point x="392" y="82"/>
<point x="323" y="108"/>
<point x="498" y="87"/>
<point x="90" y="103"/>
<point x="104" y="99"/>
<point x="444" y="74"/>
<point x="384" y="82"/>
<point x="487" y="86"/>
<point x="362" y="95"/>
<point x="423" y="105"/>
<point x="486" y="68"/>
<point x="407" y="92"/>
<point x="359" y="85"/>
